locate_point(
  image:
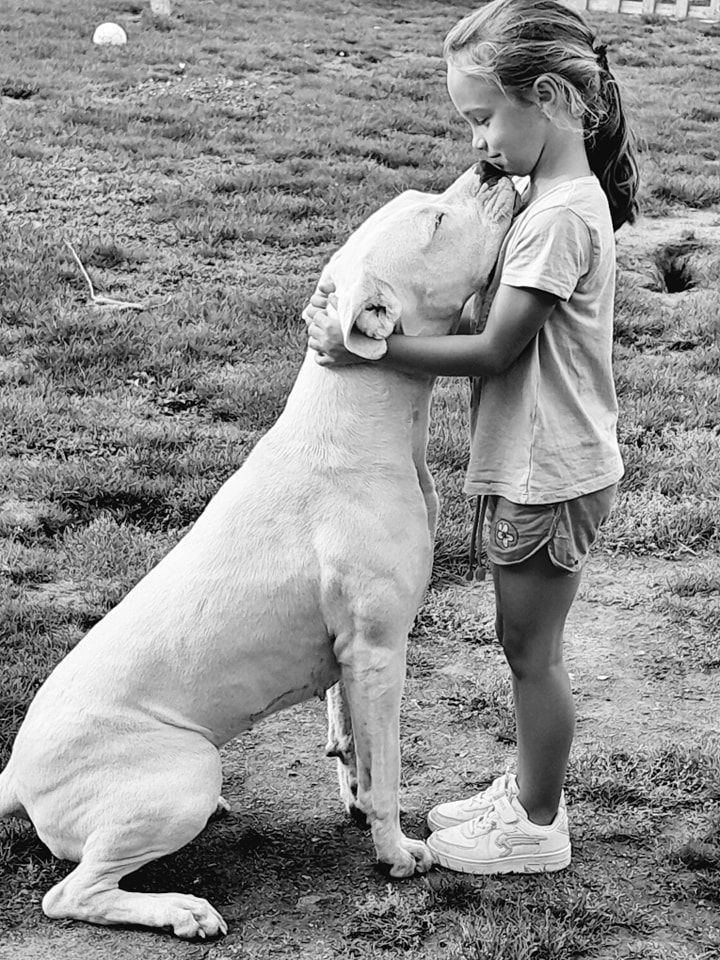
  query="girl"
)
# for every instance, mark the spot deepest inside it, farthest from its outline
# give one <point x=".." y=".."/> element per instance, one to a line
<point x="541" y="102"/>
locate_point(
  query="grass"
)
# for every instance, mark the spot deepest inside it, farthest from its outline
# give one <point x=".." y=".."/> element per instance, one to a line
<point x="692" y="607"/>
<point x="210" y="167"/>
<point x="548" y="926"/>
<point x="391" y="922"/>
<point x="487" y="704"/>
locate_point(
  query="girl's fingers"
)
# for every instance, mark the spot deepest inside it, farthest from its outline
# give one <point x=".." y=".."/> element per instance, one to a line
<point x="313" y="311"/>
<point x="317" y="303"/>
<point x="315" y="338"/>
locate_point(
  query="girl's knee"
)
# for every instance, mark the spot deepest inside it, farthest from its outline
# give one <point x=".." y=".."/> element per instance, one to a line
<point x="531" y="656"/>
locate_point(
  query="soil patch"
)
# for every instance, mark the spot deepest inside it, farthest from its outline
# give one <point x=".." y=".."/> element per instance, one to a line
<point x="288" y="863"/>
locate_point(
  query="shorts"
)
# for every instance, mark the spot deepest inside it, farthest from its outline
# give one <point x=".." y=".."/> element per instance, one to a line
<point x="568" y="528"/>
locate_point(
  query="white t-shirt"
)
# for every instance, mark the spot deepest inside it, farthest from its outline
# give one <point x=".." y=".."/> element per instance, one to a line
<point x="545" y="429"/>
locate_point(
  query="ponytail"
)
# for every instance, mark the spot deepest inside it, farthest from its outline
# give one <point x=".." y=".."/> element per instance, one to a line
<point x="611" y="150"/>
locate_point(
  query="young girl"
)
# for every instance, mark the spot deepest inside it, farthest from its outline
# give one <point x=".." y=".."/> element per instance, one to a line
<point x="541" y="102"/>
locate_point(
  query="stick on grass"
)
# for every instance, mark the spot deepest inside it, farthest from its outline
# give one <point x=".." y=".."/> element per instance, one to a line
<point x="100" y="301"/>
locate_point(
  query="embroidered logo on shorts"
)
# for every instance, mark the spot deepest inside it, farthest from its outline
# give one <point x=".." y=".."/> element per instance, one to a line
<point x="506" y="535"/>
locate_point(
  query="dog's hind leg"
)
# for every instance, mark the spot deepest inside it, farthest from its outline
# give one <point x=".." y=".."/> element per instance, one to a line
<point x="144" y="819"/>
<point x="373" y="673"/>
<point x="341" y="744"/>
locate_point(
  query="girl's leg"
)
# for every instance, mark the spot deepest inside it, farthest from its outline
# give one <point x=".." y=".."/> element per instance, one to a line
<point x="532" y="601"/>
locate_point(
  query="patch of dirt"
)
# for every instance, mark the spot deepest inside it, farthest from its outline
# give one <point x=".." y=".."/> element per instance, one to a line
<point x="649" y="231"/>
<point x="617" y="645"/>
<point x="641" y="246"/>
<point x="287" y="864"/>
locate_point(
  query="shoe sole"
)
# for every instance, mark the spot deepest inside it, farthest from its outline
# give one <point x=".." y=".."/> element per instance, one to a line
<point x="545" y="864"/>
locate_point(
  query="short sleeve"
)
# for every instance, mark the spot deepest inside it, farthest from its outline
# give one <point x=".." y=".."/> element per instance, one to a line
<point x="551" y="252"/>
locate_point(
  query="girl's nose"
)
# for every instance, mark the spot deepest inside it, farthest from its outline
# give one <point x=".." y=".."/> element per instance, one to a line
<point x="478" y="141"/>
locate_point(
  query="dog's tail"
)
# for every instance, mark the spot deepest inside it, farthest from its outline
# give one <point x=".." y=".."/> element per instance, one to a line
<point x="10" y="805"/>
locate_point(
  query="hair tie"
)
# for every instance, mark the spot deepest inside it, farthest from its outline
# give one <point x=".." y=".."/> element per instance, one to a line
<point x="600" y="52"/>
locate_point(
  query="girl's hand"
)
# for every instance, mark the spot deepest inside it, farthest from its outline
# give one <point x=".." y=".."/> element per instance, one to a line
<point x="324" y="333"/>
<point x="325" y="337"/>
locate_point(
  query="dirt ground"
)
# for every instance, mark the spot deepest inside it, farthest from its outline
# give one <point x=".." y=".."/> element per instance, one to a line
<point x="296" y="861"/>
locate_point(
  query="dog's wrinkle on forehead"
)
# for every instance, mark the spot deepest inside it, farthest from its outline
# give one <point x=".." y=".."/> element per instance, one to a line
<point x="424" y="220"/>
<point x="387" y="250"/>
<point x="401" y="224"/>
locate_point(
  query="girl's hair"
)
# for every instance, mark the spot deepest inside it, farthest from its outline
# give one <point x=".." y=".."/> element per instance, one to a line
<point x="513" y="42"/>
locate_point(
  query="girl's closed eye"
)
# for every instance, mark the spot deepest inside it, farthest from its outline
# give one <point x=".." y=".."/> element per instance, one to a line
<point x="477" y="120"/>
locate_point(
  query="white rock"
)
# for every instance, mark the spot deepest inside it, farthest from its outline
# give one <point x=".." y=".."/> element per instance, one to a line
<point x="111" y="33"/>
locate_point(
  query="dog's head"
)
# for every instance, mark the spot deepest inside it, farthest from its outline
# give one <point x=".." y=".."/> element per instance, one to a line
<point x="413" y="264"/>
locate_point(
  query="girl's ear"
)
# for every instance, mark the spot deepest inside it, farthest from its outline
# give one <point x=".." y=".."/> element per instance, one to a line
<point x="547" y="95"/>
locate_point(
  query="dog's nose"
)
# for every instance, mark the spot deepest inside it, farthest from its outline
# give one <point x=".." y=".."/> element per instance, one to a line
<point x="488" y="173"/>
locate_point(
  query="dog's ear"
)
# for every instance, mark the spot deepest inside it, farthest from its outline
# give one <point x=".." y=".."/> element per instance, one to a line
<point x="368" y="313"/>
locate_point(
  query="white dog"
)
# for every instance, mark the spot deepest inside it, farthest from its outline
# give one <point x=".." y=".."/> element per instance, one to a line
<point x="307" y="567"/>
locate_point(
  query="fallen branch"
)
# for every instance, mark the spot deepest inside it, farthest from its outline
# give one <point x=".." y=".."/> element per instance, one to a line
<point x="108" y="302"/>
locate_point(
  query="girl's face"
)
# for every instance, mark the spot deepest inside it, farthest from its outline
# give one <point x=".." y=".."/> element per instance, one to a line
<point x="509" y="134"/>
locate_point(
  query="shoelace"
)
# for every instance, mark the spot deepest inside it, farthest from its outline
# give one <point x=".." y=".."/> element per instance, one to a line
<point x="490" y="820"/>
<point x="481" y="825"/>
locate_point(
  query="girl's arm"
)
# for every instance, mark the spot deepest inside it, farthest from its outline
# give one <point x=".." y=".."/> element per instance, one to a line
<point x="516" y="315"/>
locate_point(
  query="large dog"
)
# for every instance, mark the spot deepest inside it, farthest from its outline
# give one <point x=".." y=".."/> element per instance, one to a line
<point x="306" y="568"/>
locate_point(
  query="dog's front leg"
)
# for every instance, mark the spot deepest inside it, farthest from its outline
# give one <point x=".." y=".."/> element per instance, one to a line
<point x="373" y="674"/>
<point x="421" y="423"/>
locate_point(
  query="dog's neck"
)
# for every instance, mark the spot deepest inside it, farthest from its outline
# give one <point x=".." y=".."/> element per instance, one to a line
<point x="354" y="408"/>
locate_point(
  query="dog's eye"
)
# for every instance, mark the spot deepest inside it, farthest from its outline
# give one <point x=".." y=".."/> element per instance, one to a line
<point x="438" y="219"/>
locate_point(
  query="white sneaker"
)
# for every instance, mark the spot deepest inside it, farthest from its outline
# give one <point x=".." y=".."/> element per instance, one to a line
<point x="503" y="841"/>
<point x="452" y="813"/>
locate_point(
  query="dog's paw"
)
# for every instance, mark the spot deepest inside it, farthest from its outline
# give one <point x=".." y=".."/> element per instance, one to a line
<point x="412" y="856"/>
<point x="194" y="917"/>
